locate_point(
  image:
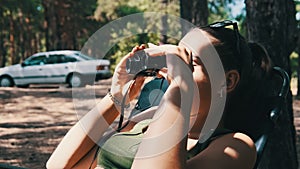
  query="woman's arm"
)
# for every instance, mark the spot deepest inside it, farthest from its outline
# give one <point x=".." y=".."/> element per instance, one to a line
<point x="164" y="143"/>
<point x="83" y="136"/>
<point x="78" y="143"/>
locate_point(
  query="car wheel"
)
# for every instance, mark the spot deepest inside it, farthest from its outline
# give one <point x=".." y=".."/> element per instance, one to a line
<point x="75" y="80"/>
<point x="6" y="82"/>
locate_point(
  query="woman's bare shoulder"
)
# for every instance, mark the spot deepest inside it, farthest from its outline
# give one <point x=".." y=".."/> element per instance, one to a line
<point x="234" y="150"/>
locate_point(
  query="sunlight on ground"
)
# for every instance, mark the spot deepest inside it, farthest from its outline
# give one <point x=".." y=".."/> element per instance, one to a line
<point x="294" y="86"/>
<point x="296" y="109"/>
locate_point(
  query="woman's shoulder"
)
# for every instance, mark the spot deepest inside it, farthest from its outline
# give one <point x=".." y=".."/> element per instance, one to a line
<point x="233" y="150"/>
<point x="237" y="145"/>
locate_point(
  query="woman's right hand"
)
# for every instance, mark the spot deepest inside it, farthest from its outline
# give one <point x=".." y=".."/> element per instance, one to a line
<point x="179" y="59"/>
<point x="179" y="73"/>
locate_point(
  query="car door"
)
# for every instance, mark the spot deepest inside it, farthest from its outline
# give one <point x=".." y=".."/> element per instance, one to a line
<point x="32" y="70"/>
<point x="56" y="68"/>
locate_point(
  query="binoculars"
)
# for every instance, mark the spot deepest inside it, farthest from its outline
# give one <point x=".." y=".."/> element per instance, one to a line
<point x="142" y="63"/>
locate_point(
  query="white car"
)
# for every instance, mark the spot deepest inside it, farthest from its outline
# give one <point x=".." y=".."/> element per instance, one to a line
<point x="63" y="66"/>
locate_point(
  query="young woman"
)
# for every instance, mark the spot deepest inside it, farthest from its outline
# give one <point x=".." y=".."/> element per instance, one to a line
<point x="167" y="137"/>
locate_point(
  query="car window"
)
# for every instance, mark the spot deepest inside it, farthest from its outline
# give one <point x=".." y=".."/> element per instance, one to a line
<point x="85" y="57"/>
<point x="60" y="58"/>
<point x="38" y="60"/>
<point x="67" y="58"/>
<point x="54" y="59"/>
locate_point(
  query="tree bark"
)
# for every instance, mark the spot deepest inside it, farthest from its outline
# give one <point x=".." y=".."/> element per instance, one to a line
<point x="3" y="52"/>
<point x="50" y="23"/>
<point x="194" y="11"/>
<point x="11" y="39"/>
<point x="21" y="39"/>
<point x="298" y="69"/>
<point x="272" y="23"/>
<point x="297" y="50"/>
<point x="45" y="4"/>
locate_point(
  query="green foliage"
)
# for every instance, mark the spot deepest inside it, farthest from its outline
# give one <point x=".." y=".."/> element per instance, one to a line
<point x="297" y="2"/>
<point x="108" y="11"/>
<point x="123" y="47"/>
<point x="125" y="10"/>
<point x="222" y="9"/>
<point x="217" y="10"/>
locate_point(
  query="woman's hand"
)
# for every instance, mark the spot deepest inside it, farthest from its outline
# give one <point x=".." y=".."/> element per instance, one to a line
<point x="178" y="72"/>
<point x="179" y="59"/>
<point x="121" y="78"/>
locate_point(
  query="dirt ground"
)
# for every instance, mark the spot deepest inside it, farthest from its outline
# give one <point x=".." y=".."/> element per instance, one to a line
<point x="34" y="120"/>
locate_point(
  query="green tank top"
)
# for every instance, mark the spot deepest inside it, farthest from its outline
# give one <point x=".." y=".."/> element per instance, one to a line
<point x="120" y="149"/>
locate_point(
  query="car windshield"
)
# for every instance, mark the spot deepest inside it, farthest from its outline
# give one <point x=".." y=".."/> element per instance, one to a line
<point x="85" y="57"/>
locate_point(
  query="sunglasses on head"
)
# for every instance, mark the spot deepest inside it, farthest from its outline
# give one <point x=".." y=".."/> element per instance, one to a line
<point x="224" y="24"/>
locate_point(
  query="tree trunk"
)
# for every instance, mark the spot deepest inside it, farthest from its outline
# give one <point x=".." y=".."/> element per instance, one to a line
<point x="272" y="23"/>
<point x="21" y="40"/>
<point x="11" y="39"/>
<point x="3" y="52"/>
<point x="59" y="18"/>
<point x="298" y="68"/>
<point x="194" y="11"/>
<point x="50" y="23"/>
<point x="298" y="78"/>
<point x="46" y="23"/>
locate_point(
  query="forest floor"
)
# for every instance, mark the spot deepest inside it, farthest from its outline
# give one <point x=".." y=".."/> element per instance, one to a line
<point x="34" y="120"/>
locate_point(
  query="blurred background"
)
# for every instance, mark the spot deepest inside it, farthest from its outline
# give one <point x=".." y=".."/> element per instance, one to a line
<point x="31" y="26"/>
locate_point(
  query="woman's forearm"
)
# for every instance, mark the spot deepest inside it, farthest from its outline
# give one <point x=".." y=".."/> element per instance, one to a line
<point x="83" y="135"/>
<point x="164" y="144"/>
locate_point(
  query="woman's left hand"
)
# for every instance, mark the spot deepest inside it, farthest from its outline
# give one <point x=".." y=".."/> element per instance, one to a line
<point x="121" y="78"/>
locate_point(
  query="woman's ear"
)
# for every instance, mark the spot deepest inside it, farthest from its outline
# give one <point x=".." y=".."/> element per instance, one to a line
<point x="232" y="79"/>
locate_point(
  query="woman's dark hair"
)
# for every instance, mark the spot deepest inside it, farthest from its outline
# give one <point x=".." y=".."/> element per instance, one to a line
<point x="245" y="106"/>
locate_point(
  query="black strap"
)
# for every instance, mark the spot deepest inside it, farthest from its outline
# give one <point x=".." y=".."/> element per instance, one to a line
<point x="201" y="146"/>
<point x="95" y="156"/>
<point x="142" y="73"/>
